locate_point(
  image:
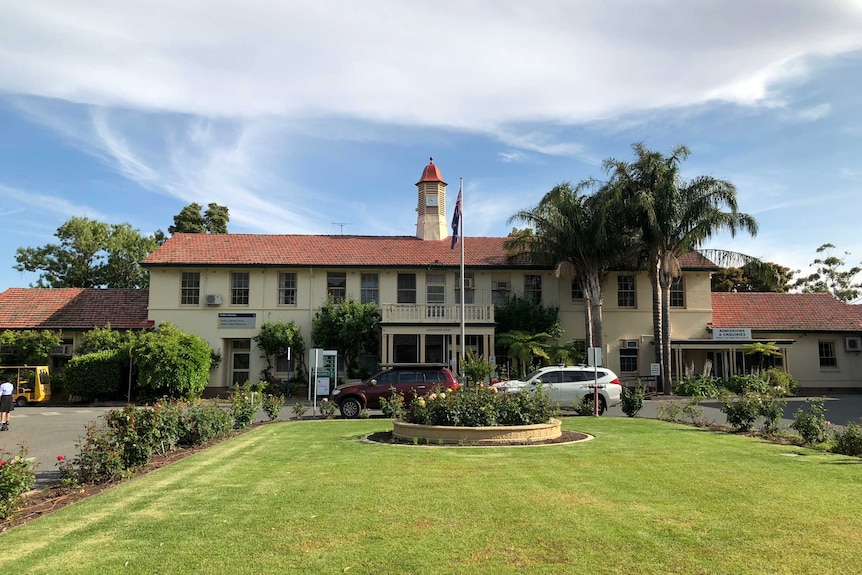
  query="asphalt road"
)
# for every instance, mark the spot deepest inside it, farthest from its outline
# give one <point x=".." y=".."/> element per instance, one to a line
<point x="56" y="430"/>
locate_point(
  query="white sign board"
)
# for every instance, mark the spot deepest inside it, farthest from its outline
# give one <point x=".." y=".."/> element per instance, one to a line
<point x="731" y="333"/>
<point x="323" y="386"/>
<point x="654" y="369"/>
<point x="594" y="356"/>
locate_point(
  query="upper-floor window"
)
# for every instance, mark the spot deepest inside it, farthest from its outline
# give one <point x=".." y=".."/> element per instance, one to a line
<point x="369" y="289"/>
<point x="501" y="288"/>
<point x="407" y="288"/>
<point x="533" y="287"/>
<point x="826" y="350"/>
<point x="435" y="288"/>
<point x="336" y="285"/>
<point x="469" y="291"/>
<point x="577" y="290"/>
<point x="625" y="291"/>
<point x="190" y="289"/>
<point x="677" y="293"/>
<point x="287" y="288"/>
<point x="239" y="288"/>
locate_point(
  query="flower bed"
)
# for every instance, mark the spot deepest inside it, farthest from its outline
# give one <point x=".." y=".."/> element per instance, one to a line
<point x="450" y="434"/>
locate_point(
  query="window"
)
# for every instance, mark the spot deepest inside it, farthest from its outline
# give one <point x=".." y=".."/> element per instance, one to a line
<point x="826" y="349"/>
<point x="533" y="287"/>
<point x="501" y="288"/>
<point x="435" y="288"/>
<point x="190" y="290"/>
<point x="677" y="293"/>
<point x="626" y="291"/>
<point x="405" y="348"/>
<point x="239" y="288"/>
<point x="287" y="288"/>
<point x="469" y="293"/>
<point x="577" y="290"/>
<point x="336" y="285"/>
<point x="407" y="288"/>
<point x="369" y="289"/>
<point x="628" y="360"/>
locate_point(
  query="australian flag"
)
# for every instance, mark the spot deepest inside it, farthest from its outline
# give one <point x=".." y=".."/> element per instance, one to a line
<point x="456" y="221"/>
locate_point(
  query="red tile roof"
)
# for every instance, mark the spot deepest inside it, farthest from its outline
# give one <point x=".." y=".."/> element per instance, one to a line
<point x="339" y="250"/>
<point x="343" y="250"/>
<point x="785" y="312"/>
<point x="73" y="308"/>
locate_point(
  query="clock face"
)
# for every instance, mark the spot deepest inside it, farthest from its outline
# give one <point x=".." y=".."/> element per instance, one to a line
<point x="431" y="200"/>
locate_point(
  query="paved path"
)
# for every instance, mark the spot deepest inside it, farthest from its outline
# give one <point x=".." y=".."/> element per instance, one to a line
<point x="55" y="430"/>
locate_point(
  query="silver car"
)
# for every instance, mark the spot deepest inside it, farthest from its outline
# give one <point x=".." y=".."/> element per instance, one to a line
<point x="571" y="384"/>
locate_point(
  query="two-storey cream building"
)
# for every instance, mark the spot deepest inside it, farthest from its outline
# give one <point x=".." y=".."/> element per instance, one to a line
<point x="224" y="287"/>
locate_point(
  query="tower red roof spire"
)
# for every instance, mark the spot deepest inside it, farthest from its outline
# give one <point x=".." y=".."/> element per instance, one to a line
<point x="431" y="173"/>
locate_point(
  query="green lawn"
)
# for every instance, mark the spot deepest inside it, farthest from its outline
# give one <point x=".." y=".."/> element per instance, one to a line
<point x="644" y="497"/>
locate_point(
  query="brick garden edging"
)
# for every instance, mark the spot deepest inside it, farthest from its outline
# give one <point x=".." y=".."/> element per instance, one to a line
<point x="404" y="431"/>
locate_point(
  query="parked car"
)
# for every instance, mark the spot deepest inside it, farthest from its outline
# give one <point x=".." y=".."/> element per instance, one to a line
<point x="571" y="384"/>
<point x="352" y="398"/>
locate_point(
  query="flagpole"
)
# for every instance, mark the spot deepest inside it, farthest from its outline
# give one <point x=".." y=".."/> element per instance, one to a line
<point x="463" y="293"/>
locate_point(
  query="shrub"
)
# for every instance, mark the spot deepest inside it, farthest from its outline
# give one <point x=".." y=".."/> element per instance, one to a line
<point x="693" y="411"/>
<point x="697" y="386"/>
<point x="203" y="423"/>
<point x="69" y="478"/>
<point x="94" y="375"/>
<point x="479" y="406"/>
<point x="16" y="479"/>
<point x="299" y="409"/>
<point x="668" y="411"/>
<point x="476" y="368"/>
<point x="849" y="441"/>
<point x="245" y="401"/>
<point x="741" y="411"/>
<point x="632" y="399"/>
<point x="100" y="458"/>
<point x="393" y="407"/>
<point x="272" y="404"/>
<point x="780" y="381"/>
<point x="134" y="433"/>
<point x="771" y="409"/>
<point x="586" y="407"/>
<point x="811" y="425"/>
<point x="328" y="408"/>
<point x="172" y="362"/>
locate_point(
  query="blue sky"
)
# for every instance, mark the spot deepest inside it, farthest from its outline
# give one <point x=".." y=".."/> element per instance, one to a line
<point x="299" y="114"/>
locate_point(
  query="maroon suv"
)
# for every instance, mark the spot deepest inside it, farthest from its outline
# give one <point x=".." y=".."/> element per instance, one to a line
<point x="352" y="398"/>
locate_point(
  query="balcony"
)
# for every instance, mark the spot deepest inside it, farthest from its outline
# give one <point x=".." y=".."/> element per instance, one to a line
<point x="435" y="313"/>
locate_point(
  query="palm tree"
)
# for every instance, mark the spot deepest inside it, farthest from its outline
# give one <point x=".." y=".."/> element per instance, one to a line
<point x="523" y="347"/>
<point x="672" y="216"/>
<point x="571" y="231"/>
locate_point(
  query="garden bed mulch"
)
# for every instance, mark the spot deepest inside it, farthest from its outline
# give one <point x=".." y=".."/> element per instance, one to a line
<point x="565" y="437"/>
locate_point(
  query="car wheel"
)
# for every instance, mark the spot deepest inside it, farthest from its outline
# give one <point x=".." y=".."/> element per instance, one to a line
<point x="21" y="402"/>
<point x="350" y="408"/>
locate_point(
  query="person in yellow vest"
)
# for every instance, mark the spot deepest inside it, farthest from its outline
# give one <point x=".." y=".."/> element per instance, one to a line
<point x="6" y="390"/>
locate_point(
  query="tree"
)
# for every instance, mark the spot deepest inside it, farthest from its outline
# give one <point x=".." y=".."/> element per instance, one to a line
<point x="190" y="220"/>
<point x="524" y="314"/>
<point x="671" y="216"/>
<point x="29" y="347"/>
<point x="523" y="347"/>
<point x="751" y="278"/>
<point x="276" y="339"/>
<point x="348" y="327"/>
<point x="106" y="339"/>
<point x="172" y="362"/>
<point x="91" y="254"/>
<point x="830" y="277"/>
<point x="572" y="231"/>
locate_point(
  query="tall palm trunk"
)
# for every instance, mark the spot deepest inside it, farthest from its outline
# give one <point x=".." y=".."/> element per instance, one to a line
<point x="665" y="280"/>
<point x="593" y="292"/>
<point x="657" y="323"/>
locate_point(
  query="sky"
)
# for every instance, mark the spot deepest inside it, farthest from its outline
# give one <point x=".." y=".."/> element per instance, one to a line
<point x="318" y="117"/>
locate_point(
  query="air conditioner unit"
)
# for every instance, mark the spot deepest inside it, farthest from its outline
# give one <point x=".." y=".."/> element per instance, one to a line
<point x="629" y="343"/>
<point x="853" y="343"/>
<point x="213" y="299"/>
<point x="65" y="349"/>
<point x="468" y="283"/>
<point x="504" y="286"/>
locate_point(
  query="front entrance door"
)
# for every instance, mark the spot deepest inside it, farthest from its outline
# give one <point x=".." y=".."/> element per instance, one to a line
<point x="240" y="361"/>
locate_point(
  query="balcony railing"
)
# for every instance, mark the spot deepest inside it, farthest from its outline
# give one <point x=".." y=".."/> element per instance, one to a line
<point x="435" y="313"/>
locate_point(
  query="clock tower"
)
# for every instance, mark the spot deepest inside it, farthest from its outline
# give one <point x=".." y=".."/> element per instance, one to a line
<point x="431" y="206"/>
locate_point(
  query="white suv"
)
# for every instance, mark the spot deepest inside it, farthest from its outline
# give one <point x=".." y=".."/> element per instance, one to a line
<point x="571" y="384"/>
